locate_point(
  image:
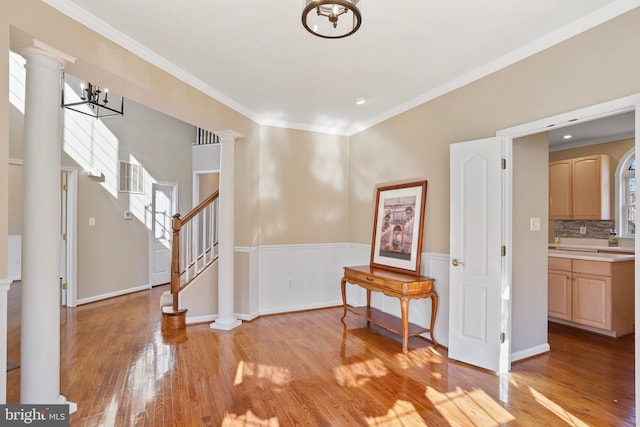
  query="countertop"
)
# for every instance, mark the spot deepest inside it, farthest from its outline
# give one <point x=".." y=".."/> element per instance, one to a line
<point x="588" y="248"/>
<point x="591" y="256"/>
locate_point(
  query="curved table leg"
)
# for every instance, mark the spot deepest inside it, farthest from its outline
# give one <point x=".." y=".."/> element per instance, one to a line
<point x="344" y="298"/>
<point x="404" y="308"/>
<point x="434" y="311"/>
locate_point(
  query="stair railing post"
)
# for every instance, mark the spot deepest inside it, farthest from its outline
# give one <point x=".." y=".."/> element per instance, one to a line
<point x="175" y="260"/>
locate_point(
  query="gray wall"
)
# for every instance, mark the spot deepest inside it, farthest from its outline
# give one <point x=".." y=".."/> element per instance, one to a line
<point x="529" y="262"/>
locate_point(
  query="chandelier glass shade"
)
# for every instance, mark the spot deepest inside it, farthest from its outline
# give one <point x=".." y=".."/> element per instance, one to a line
<point x="91" y="101"/>
<point x="331" y="19"/>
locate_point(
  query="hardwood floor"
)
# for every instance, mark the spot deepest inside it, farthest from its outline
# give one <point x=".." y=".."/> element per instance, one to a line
<point x="305" y="369"/>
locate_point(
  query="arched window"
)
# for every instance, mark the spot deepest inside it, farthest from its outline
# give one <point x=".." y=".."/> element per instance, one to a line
<point x="626" y="195"/>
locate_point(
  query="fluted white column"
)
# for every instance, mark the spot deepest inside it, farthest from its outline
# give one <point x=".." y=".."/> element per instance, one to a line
<point x="40" y="335"/>
<point x="226" y="319"/>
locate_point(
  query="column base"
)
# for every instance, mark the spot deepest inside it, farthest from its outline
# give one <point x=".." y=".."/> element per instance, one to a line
<point x="73" y="407"/>
<point x="226" y="325"/>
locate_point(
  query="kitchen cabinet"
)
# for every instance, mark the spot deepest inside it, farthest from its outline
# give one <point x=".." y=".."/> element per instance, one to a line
<point x="594" y="295"/>
<point x="559" y="297"/>
<point x="579" y="188"/>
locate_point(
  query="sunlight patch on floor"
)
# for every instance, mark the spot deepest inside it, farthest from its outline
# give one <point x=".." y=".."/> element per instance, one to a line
<point x="274" y="374"/>
<point x="249" y="419"/>
<point x="403" y="413"/>
<point x="111" y="412"/>
<point x="359" y="374"/>
<point x="472" y="408"/>
<point x="561" y="413"/>
<point x="419" y="358"/>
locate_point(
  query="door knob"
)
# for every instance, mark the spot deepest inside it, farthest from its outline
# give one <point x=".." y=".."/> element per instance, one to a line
<point x="456" y="262"/>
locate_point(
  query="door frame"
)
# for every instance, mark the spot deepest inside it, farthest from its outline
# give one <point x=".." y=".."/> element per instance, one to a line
<point x="71" y="258"/>
<point x="597" y="111"/>
<point x="174" y="210"/>
<point x="195" y="195"/>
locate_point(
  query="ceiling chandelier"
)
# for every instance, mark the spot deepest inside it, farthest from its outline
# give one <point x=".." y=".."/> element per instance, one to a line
<point x="92" y="102"/>
<point x="331" y="19"/>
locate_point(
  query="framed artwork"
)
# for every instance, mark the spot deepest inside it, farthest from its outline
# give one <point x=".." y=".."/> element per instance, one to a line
<point x="398" y="226"/>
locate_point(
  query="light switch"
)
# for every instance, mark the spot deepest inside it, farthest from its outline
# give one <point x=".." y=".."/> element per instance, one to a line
<point x="92" y="222"/>
<point x="534" y="224"/>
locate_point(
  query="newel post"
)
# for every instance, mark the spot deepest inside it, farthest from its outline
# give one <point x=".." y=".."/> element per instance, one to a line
<point x="175" y="260"/>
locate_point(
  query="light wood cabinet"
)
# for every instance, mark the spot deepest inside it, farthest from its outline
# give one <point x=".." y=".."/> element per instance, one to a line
<point x="559" y="297"/>
<point x="592" y="300"/>
<point x="580" y="188"/>
<point x="595" y="295"/>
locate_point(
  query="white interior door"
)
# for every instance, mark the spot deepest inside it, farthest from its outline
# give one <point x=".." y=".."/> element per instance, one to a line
<point x="478" y="301"/>
<point x="162" y="210"/>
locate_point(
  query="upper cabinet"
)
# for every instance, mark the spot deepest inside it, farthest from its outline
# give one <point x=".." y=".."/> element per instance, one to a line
<point x="580" y="188"/>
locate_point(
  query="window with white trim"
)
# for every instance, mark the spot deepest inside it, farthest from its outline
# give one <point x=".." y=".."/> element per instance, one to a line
<point x="626" y="195"/>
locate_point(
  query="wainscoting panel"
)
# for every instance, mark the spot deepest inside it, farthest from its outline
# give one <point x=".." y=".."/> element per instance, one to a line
<point x="299" y="277"/>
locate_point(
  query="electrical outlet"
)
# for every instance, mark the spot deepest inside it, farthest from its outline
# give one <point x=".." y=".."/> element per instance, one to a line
<point x="289" y="282"/>
<point x="583" y="230"/>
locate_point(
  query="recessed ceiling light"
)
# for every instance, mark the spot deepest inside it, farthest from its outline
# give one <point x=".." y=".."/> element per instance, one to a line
<point x="567" y="136"/>
<point x="360" y="101"/>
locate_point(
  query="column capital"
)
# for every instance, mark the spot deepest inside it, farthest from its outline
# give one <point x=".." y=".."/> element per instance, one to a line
<point x="32" y="47"/>
<point x="228" y="135"/>
<point x="5" y="284"/>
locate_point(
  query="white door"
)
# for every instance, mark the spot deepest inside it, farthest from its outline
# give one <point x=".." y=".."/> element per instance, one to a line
<point x="162" y="210"/>
<point x="479" y="295"/>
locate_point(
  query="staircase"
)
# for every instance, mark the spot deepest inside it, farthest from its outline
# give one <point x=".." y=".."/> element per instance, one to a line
<point x="194" y="248"/>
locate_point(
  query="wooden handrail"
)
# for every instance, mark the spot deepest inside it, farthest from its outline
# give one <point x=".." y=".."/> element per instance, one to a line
<point x="177" y="225"/>
<point x="203" y="204"/>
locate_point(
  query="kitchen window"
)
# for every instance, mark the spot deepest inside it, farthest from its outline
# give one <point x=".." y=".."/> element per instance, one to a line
<point x="626" y="194"/>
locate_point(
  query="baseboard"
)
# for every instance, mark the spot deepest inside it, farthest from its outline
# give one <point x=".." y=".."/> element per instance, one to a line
<point x="201" y="319"/>
<point x="285" y="310"/>
<point x="248" y="317"/>
<point x="530" y="352"/>
<point x="113" y="294"/>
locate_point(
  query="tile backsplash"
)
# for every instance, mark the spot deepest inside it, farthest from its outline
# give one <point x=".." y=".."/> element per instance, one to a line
<point x="595" y="229"/>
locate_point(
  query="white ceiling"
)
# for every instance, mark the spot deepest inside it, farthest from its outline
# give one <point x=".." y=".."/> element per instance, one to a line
<point x="256" y="57"/>
<point x="607" y="129"/>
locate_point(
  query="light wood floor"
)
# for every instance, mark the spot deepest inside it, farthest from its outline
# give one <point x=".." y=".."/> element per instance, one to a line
<point x="304" y="369"/>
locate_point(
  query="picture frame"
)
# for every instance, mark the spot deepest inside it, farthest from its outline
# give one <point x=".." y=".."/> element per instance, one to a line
<point x="398" y="227"/>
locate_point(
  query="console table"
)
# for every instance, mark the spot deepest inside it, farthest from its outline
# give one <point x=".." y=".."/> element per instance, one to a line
<point x="399" y="285"/>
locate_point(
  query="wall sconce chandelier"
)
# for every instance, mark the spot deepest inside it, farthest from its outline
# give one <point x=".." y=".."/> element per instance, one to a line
<point x="331" y="19"/>
<point x="96" y="105"/>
